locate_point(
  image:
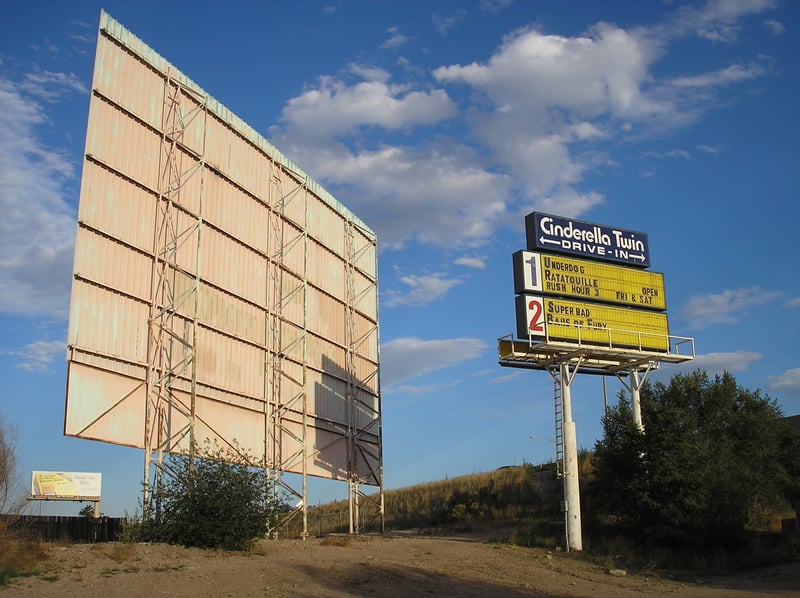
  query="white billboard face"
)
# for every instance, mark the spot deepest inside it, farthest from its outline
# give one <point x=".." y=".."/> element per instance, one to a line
<point x="218" y="292"/>
<point x="66" y="485"/>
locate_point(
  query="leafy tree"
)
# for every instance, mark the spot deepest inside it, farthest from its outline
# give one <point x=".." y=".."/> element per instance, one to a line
<point x="618" y="469"/>
<point x="216" y="500"/>
<point x="712" y="459"/>
<point x="87" y="511"/>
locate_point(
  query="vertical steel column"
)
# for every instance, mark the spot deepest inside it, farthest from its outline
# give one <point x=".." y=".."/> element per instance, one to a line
<point x="350" y="398"/>
<point x="354" y="505"/>
<point x="196" y="312"/>
<point x="636" y="403"/>
<point x="304" y="382"/>
<point x="633" y="386"/>
<point x="572" y="496"/>
<point x="272" y="436"/>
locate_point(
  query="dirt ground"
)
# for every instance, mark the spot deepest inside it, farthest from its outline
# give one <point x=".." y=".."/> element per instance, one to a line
<point x="385" y="566"/>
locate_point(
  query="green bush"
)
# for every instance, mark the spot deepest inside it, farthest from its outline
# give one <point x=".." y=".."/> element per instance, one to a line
<point x="216" y="500"/>
<point x="712" y="459"/>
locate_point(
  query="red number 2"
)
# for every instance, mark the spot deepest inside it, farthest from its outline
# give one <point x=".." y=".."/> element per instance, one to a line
<point x="535" y="324"/>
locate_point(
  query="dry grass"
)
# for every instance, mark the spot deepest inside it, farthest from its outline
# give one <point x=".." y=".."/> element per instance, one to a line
<point x="336" y="541"/>
<point x="19" y="556"/>
<point x="122" y="551"/>
<point x="508" y="494"/>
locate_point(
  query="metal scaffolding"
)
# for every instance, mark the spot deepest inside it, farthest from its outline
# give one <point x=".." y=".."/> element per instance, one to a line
<point x="361" y="436"/>
<point x="173" y="319"/>
<point x="287" y="395"/>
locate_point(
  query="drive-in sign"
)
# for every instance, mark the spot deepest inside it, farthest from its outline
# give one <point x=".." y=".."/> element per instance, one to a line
<point x="565" y="235"/>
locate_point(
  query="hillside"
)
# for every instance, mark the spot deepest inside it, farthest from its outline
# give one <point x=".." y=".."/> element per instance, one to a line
<point x="522" y="500"/>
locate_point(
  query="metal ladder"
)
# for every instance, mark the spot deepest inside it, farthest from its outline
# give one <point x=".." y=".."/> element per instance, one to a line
<point x="559" y="412"/>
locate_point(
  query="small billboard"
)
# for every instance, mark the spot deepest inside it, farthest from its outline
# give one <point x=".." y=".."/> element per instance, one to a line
<point x="581" y="322"/>
<point x="552" y="274"/>
<point x="67" y="485"/>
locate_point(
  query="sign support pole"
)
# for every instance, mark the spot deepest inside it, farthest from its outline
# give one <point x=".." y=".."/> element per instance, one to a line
<point x="633" y="387"/>
<point x="636" y="400"/>
<point x="572" y="494"/>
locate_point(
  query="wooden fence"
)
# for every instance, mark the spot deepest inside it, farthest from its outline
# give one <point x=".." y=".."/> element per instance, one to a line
<point x="64" y="528"/>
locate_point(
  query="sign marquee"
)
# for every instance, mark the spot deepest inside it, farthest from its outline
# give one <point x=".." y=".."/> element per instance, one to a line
<point x="553" y="274"/>
<point x="582" y="283"/>
<point x="575" y="237"/>
<point x="582" y="322"/>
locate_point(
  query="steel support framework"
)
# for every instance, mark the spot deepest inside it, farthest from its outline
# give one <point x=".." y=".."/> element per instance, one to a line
<point x="564" y="361"/>
<point x="172" y="349"/>
<point x="172" y="338"/>
<point x="286" y="447"/>
<point x="360" y="439"/>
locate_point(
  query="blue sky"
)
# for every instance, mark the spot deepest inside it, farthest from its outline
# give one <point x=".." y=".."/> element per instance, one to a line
<point x="442" y="124"/>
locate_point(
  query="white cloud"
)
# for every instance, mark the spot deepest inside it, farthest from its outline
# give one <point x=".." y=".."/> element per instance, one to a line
<point x="49" y="86"/>
<point x="710" y="149"/>
<point x="395" y="39"/>
<point x="775" y="27"/>
<point x="510" y="377"/>
<point x="430" y="195"/>
<point x="675" y="153"/>
<point x="38" y="225"/>
<point x="332" y="107"/>
<point x="494" y="6"/>
<point x="587" y="75"/>
<point x="405" y="358"/>
<point x="716" y="363"/>
<point x="540" y="97"/>
<point x="471" y="262"/>
<point x="679" y="153"/>
<point x="731" y="74"/>
<point x="567" y="202"/>
<point x="423" y="290"/>
<point x="445" y="23"/>
<point x="37" y="356"/>
<point x="424" y="389"/>
<point x="788" y="382"/>
<point x="86" y="38"/>
<point x="716" y="20"/>
<point x="541" y="112"/>
<point x="391" y="187"/>
<point x="366" y="72"/>
<point x="727" y="307"/>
